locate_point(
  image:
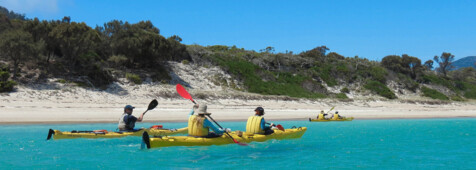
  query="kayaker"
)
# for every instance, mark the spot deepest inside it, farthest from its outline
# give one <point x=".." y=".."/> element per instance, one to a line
<point x="336" y="116"/>
<point x="199" y="125"/>
<point x="127" y="121"/>
<point x="257" y="125"/>
<point x="321" y="116"/>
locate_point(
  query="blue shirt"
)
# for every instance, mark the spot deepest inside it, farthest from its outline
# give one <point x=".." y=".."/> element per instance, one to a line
<point x="208" y="124"/>
<point x="264" y="126"/>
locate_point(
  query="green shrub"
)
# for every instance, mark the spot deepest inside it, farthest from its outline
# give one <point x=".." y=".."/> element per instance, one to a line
<point x="434" y="94"/>
<point x="285" y="84"/>
<point x="457" y="98"/>
<point x="341" y="96"/>
<point x="62" y="81"/>
<point x="380" y="89"/>
<point x="345" y="90"/>
<point x="434" y="79"/>
<point x="134" y="78"/>
<point x="185" y="62"/>
<point x="99" y="76"/>
<point x="378" y="74"/>
<point x="81" y="84"/>
<point x="324" y="72"/>
<point x="5" y="84"/>
<point x="117" y="59"/>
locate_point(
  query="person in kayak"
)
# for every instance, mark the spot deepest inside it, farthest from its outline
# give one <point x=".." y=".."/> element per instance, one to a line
<point x="199" y="125"/>
<point x="127" y="121"/>
<point x="257" y="125"/>
<point x="321" y="116"/>
<point x="336" y="116"/>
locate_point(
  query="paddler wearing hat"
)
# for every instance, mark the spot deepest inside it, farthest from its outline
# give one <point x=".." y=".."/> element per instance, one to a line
<point x="257" y="125"/>
<point x="127" y="121"/>
<point x="199" y="125"/>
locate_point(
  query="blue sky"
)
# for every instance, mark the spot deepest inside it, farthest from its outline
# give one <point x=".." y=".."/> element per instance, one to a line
<point x="367" y="28"/>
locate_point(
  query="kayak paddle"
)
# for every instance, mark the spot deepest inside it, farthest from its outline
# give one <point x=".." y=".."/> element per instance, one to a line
<point x="330" y="110"/>
<point x="51" y="132"/>
<point x="183" y="92"/>
<point x="234" y="140"/>
<point x="145" y="140"/>
<point x="152" y="105"/>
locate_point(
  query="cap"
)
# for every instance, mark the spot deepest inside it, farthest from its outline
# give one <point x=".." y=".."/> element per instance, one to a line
<point x="260" y="109"/>
<point x="129" y="107"/>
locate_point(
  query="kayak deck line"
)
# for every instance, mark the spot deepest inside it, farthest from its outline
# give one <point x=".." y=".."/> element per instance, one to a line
<point x="57" y="134"/>
<point x="331" y="120"/>
<point x="167" y="141"/>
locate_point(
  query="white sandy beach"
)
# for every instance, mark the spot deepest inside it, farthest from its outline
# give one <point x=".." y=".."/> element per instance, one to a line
<point x="77" y="105"/>
<point x="53" y="102"/>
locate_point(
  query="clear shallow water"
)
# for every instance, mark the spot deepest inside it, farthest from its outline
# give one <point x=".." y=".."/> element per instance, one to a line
<point x="366" y="144"/>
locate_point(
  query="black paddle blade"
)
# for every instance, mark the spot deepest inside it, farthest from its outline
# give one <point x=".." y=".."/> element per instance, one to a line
<point x="50" y="134"/>
<point x="146" y="139"/>
<point x="153" y="104"/>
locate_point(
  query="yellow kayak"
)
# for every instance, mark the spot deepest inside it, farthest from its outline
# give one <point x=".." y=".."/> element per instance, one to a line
<point x="56" y="134"/>
<point x="166" y="141"/>
<point x="329" y="120"/>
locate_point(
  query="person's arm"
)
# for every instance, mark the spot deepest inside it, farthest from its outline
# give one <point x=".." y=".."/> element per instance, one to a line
<point x="264" y="126"/>
<point x="218" y="131"/>
<point x="141" y="117"/>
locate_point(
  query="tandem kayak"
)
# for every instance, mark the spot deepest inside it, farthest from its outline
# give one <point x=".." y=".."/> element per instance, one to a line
<point x="166" y="141"/>
<point x="330" y="120"/>
<point x="56" y="134"/>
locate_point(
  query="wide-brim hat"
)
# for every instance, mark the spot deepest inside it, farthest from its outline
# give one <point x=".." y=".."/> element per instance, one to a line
<point x="202" y="110"/>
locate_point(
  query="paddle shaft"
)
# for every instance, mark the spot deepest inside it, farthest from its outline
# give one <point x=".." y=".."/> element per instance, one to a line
<point x="330" y="110"/>
<point x="183" y="92"/>
<point x="221" y="128"/>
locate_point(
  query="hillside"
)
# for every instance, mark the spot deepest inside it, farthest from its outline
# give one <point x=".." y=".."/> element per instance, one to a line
<point x="136" y="53"/>
<point x="469" y="61"/>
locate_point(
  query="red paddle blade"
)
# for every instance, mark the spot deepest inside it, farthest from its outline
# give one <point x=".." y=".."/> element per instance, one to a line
<point x="239" y="143"/>
<point x="280" y="127"/>
<point x="182" y="92"/>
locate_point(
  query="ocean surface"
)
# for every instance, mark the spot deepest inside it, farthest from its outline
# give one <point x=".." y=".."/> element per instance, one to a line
<point x="361" y="144"/>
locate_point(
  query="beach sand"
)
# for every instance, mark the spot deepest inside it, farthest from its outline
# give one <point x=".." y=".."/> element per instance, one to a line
<point x="54" y="102"/>
<point x="78" y="105"/>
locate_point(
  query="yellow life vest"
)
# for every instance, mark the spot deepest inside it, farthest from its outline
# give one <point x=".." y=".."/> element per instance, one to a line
<point x="196" y="129"/>
<point x="321" y="116"/>
<point x="253" y="125"/>
<point x="336" y="117"/>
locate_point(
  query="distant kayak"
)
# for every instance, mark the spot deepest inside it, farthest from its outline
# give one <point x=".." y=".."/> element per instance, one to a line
<point x="329" y="120"/>
<point x="56" y="134"/>
<point x="166" y="141"/>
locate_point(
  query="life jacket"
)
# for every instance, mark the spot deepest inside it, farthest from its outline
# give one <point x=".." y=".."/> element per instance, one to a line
<point x="320" y="116"/>
<point x="196" y="129"/>
<point x="122" y="125"/>
<point x="336" y="116"/>
<point x="253" y="125"/>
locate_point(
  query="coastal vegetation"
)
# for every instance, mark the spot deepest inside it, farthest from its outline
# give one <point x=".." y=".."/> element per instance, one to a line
<point x="36" y="50"/>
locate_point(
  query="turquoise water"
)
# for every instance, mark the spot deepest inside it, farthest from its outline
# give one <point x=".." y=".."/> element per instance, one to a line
<point x="365" y="144"/>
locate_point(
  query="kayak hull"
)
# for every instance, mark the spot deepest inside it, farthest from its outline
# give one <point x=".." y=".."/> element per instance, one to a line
<point x="56" y="134"/>
<point x="331" y="120"/>
<point x="167" y="141"/>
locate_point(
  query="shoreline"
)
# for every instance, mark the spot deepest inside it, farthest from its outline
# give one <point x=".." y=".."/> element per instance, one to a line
<point x="72" y="105"/>
<point x="225" y="120"/>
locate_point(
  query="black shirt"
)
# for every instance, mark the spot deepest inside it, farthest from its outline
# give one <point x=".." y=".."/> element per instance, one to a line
<point x="130" y="122"/>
